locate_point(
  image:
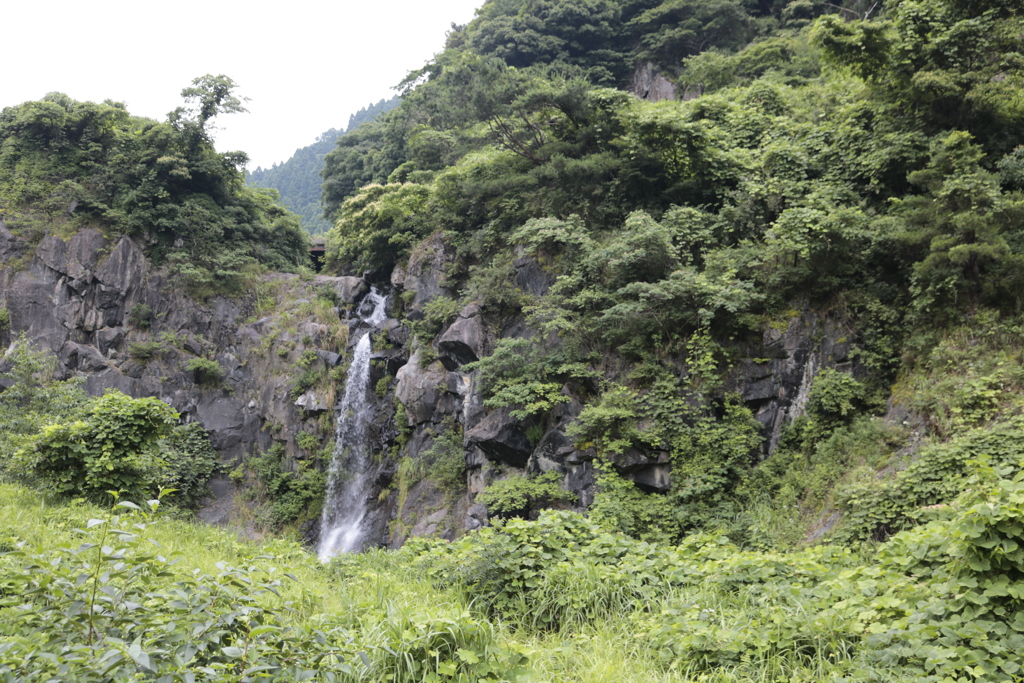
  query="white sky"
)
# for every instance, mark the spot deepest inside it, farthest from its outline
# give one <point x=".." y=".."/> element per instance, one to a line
<point x="306" y="66"/>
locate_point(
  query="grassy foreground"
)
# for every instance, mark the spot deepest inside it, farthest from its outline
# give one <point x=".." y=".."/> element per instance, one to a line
<point x="94" y="595"/>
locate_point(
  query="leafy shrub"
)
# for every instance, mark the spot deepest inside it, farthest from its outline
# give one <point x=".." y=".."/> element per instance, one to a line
<point x="508" y="566"/>
<point x="969" y="377"/>
<point x="710" y="456"/>
<point x="788" y="492"/>
<point x="376" y="225"/>
<point x="522" y="375"/>
<point x="5" y="319"/>
<point x="876" y="510"/>
<point x="446" y="461"/>
<point x="307" y="441"/>
<point x="112" y="449"/>
<point x="172" y="339"/>
<point x="32" y="400"/>
<point x="313" y="372"/>
<point x="141" y="315"/>
<point x="206" y="372"/>
<point x="189" y="461"/>
<point x="294" y="495"/>
<point x="621" y="506"/>
<point x="516" y="496"/>
<point x="438" y="312"/>
<point x="382" y="386"/>
<point x="834" y="396"/>
<point x="145" y="351"/>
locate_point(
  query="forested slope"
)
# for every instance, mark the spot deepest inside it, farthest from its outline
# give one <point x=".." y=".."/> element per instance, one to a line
<point x="857" y="164"/>
<point x="298" y="179"/>
<point x="722" y="387"/>
<point x="67" y="165"/>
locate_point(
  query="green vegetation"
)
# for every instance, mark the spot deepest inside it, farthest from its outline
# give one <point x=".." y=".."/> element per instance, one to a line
<point x="206" y="372"/>
<point x="32" y="400"/>
<point x="146" y="350"/>
<point x="860" y="162"/>
<point x="287" y="492"/>
<point x="141" y="316"/>
<point x="851" y="159"/>
<point x="516" y="496"/>
<point x="61" y="441"/>
<point x="446" y="461"/>
<point x="190" y="462"/>
<point x="112" y="449"/>
<point x="135" y="594"/>
<point x="67" y="165"/>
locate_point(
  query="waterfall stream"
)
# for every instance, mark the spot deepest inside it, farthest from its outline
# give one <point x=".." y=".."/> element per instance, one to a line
<point x="349" y="476"/>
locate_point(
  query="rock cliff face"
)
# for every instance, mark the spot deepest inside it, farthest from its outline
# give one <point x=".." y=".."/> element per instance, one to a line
<point x="115" y="320"/>
<point x="773" y="380"/>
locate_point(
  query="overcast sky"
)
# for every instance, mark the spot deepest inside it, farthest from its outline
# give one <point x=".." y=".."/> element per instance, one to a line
<point x="306" y="66"/>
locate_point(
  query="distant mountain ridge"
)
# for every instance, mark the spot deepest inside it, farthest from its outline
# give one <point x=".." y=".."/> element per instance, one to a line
<point x="298" y="179"/>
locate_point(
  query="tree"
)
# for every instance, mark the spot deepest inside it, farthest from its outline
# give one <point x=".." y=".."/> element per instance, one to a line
<point x="208" y="97"/>
<point x="964" y="225"/>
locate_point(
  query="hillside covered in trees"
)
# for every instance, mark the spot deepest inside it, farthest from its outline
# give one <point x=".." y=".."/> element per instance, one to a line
<point x="701" y="360"/>
<point x="298" y="179"/>
<point x="861" y="162"/>
<point x="67" y="165"/>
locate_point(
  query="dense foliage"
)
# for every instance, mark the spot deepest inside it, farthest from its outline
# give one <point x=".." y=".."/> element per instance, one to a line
<point x="65" y="165"/>
<point x="87" y="595"/>
<point x="298" y="179"/>
<point x="856" y="159"/>
<point x="61" y="441"/>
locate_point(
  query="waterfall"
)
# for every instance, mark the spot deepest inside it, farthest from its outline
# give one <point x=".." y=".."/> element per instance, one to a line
<point x="349" y="476"/>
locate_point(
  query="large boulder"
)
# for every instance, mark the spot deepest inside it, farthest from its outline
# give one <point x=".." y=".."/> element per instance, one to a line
<point x="776" y="377"/>
<point x="419" y="389"/>
<point x="552" y="451"/>
<point x="502" y="438"/>
<point x="124" y="269"/>
<point x="310" y="402"/>
<point x="463" y="341"/>
<point x="82" y="358"/>
<point x="10" y="246"/>
<point x="648" y="83"/>
<point x="232" y="428"/>
<point x="348" y="289"/>
<point x="649" y="471"/>
<point x="654" y="478"/>
<point x="108" y="340"/>
<point x="424" y="276"/>
<point x="530" y="276"/>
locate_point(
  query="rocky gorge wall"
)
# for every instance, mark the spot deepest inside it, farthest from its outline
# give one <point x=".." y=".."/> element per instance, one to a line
<point x="118" y="322"/>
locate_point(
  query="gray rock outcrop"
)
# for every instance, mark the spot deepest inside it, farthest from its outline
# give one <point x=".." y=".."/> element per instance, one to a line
<point x="464" y="341"/>
<point x="775" y="379"/>
<point x="648" y="83"/>
<point x="501" y="438"/>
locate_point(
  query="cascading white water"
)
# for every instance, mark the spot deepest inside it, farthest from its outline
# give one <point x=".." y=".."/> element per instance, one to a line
<point x="348" y="477"/>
